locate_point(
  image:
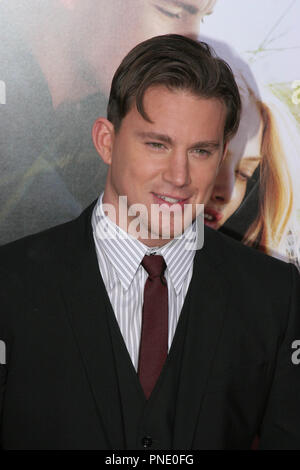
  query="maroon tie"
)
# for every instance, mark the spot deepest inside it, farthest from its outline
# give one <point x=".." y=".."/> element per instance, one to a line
<point x="154" y="337"/>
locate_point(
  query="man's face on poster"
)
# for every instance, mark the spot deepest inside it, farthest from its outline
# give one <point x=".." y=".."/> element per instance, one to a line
<point x="105" y="31"/>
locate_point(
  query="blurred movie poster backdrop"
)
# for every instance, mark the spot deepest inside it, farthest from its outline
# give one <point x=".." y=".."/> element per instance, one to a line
<point x="57" y="59"/>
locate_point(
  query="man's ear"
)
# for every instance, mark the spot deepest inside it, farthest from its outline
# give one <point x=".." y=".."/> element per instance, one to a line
<point x="103" y="138"/>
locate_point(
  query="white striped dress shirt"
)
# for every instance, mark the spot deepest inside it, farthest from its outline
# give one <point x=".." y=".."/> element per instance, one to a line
<point x="124" y="277"/>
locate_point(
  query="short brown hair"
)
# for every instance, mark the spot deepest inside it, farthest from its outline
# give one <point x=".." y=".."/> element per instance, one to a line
<point x="176" y="62"/>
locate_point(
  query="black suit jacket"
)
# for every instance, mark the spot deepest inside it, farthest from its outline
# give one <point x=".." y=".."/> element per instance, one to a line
<point x="58" y="391"/>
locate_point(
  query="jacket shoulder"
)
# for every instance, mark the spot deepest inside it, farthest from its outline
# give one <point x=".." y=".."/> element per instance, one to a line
<point x="47" y="246"/>
<point x="15" y="253"/>
<point x="244" y="259"/>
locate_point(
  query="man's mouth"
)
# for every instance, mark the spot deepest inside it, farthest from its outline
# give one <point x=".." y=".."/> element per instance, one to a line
<point x="168" y="199"/>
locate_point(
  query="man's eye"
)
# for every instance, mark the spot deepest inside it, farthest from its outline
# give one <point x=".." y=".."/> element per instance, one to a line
<point x="202" y="152"/>
<point x="168" y="13"/>
<point x="155" y="145"/>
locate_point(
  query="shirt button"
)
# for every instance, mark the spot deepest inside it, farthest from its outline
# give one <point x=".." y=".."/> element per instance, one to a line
<point x="147" y="442"/>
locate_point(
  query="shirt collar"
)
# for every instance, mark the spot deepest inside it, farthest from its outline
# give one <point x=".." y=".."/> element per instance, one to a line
<point x="179" y="256"/>
<point x="125" y="252"/>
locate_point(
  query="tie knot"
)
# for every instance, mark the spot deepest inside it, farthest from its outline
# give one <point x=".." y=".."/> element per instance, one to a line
<point x="155" y="265"/>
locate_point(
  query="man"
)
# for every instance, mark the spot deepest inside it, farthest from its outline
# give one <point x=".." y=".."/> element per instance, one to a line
<point x="58" y="58"/>
<point x="116" y="341"/>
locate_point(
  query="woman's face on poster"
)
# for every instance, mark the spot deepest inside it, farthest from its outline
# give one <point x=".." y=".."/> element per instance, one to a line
<point x="107" y="30"/>
<point x="243" y="157"/>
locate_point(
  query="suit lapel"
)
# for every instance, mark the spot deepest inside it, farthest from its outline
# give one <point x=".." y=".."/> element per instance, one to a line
<point x="85" y="299"/>
<point x="208" y="302"/>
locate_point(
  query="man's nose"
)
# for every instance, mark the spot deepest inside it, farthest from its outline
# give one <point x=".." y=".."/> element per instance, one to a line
<point x="177" y="171"/>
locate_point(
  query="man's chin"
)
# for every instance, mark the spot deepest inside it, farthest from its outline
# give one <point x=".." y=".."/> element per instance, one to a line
<point x="158" y="233"/>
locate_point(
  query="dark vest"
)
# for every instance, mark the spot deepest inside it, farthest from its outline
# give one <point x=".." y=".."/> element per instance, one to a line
<point x="148" y="423"/>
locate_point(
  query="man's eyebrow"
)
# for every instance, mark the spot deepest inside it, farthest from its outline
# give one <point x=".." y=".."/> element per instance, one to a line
<point x="191" y="9"/>
<point x="155" y="136"/>
<point x="207" y="144"/>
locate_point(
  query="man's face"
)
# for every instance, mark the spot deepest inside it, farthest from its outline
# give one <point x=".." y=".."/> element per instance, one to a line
<point x="105" y="31"/>
<point x="176" y="156"/>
